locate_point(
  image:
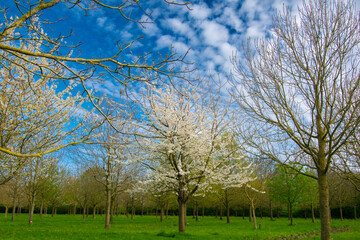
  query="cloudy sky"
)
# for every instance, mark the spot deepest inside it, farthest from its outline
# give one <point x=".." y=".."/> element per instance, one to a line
<point x="212" y="30"/>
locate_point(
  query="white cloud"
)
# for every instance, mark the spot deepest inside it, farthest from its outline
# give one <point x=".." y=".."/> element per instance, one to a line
<point x="100" y="21"/>
<point x="179" y="27"/>
<point x="149" y="28"/>
<point x="214" y="33"/>
<point x="164" y="41"/>
<point x="200" y="11"/>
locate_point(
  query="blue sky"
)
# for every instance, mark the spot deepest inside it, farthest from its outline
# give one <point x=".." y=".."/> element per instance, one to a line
<point x="212" y="30"/>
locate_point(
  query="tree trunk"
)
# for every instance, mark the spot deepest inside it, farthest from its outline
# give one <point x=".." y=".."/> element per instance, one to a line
<point x="197" y="212"/>
<point x="221" y="212"/>
<point x="250" y="213"/>
<point x="52" y="211"/>
<point x="167" y="210"/>
<point x="31" y="210"/>
<point x="108" y="205"/>
<point x="277" y="212"/>
<point x="261" y="212"/>
<point x="254" y="215"/>
<point x="243" y="212"/>
<point x="74" y="213"/>
<point x="194" y="211"/>
<point x="341" y="212"/>
<point x="355" y="216"/>
<point x="291" y="214"/>
<point x="203" y="211"/>
<point x="14" y="205"/>
<point x="271" y="212"/>
<point x="305" y="216"/>
<point x="312" y="213"/>
<point x="84" y="212"/>
<point x="324" y="205"/>
<point x="161" y="212"/>
<point x="94" y="211"/>
<point x="182" y="215"/>
<point x="142" y="209"/>
<point x="6" y="211"/>
<point x="41" y="207"/>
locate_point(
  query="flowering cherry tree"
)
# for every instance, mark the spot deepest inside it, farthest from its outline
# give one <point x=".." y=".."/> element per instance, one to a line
<point x="184" y="146"/>
<point x="38" y="116"/>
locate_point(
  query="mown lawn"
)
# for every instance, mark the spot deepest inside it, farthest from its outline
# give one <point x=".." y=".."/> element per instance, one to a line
<point x="150" y="227"/>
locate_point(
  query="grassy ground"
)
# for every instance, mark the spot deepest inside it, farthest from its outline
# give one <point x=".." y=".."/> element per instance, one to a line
<point x="150" y="227"/>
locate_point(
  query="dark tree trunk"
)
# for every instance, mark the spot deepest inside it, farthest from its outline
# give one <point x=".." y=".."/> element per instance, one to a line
<point x="197" y="211"/>
<point x="182" y="215"/>
<point x="161" y="212"/>
<point x="271" y="211"/>
<point x="291" y="214"/>
<point x="94" y="211"/>
<point x="243" y="212"/>
<point x="167" y="210"/>
<point x="355" y="216"/>
<point x="250" y="213"/>
<point x="221" y="212"/>
<point x="312" y="213"/>
<point x="203" y="211"/>
<point x="341" y="212"/>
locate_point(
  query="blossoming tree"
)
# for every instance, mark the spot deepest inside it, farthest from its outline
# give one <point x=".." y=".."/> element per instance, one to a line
<point x="184" y="141"/>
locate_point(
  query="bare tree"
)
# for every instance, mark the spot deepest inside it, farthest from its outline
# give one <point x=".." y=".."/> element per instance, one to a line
<point x="299" y="88"/>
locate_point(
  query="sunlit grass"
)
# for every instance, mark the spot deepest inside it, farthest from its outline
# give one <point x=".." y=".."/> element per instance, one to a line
<point x="150" y="227"/>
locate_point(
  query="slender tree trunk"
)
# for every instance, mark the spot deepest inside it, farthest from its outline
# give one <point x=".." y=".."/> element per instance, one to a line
<point x="197" y="211"/>
<point x="203" y="211"/>
<point x="6" y="211"/>
<point x="112" y="212"/>
<point x="52" y="211"/>
<point x="221" y="212"/>
<point x="31" y="209"/>
<point x="243" y="212"/>
<point x="227" y="213"/>
<point x="312" y="213"/>
<point x="341" y="212"/>
<point x="254" y="215"/>
<point x="271" y="211"/>
<point x="250" y="213"/>
<point x="161" y="212"/>
<point x="355" y="216"/>
<point x="108" y="205"/>
<point x="14" y="205"/>
<point x="291" y="214"/>
<point x="305" y="216"/>
<point x="167" y="210"/>
<point x="142" y="209"/>
<point x="84" y="212"/>
<point x="94" y="211"/>
<point x="324" y="205"/>
<point x="132" y="210"/>
<point x="182" y="215"/>
<point x="127" y="210"/>
<point x="277" y="212"/>
<point x="41" y="207"/>
<point x="194" y="211"/>
<point x="74" y="213"/>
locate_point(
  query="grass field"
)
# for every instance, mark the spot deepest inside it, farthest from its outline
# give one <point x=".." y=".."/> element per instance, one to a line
<point x="150" y="227"/>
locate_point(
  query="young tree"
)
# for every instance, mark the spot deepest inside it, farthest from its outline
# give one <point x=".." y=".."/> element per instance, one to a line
<point x="300" y="87"/>
<point x="184" y="128"/>
<point x="287" y="187"/>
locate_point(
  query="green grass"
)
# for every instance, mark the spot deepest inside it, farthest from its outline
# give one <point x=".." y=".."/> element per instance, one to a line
<point x="150" y="227"/>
